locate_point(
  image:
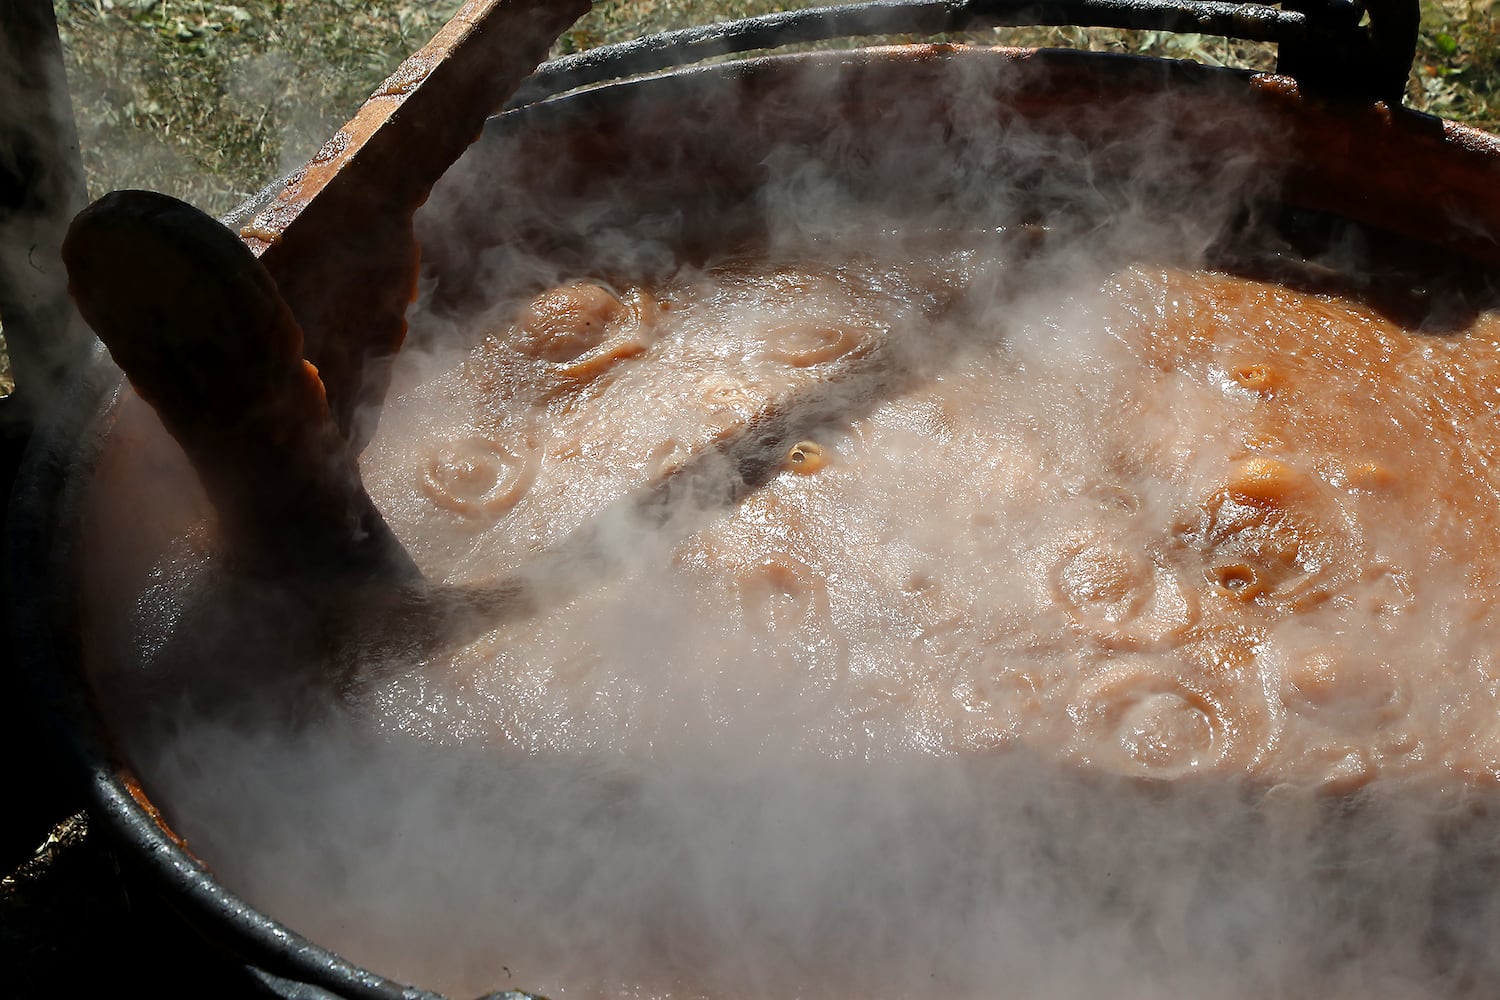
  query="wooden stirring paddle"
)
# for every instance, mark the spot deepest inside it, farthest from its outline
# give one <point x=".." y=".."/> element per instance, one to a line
<point x="216" y="339"/>
<point x="204" y="337"/>
<point x="266" y="355"/>
<point x="199" y="328"/>
<point x="338" y="238"/>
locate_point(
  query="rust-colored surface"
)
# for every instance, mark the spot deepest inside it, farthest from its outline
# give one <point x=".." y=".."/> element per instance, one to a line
<point x="138" y="794"/>
<point x="1396" y="169"/>
<point x="338" y="240"/>
<point x="667" y="143"/>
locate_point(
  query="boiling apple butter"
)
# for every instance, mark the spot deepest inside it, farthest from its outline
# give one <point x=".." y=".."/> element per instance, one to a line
<point x="1165" y="523"/>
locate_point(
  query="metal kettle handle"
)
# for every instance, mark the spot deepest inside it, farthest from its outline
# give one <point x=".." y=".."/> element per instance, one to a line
<point x="1321" y="42"/>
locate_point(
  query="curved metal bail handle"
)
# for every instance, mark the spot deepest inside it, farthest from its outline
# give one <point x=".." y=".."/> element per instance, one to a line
<point x="686" y="46"/>
<point x="1321" y="42"/>
<point x="1341" y="56"/>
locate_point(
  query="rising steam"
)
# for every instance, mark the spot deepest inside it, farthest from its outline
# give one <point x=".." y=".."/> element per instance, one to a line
<point x="698" y="773"/>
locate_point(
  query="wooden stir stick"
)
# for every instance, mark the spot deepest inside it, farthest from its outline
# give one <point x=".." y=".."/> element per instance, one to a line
<point x="338" y="241"/>
<point x="214" y="333"/>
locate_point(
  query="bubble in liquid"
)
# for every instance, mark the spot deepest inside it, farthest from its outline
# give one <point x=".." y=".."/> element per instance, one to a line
<point x="478" y="477"/>
<point x="1257" y="377"/>
<point x="1105" y="581"/>
<point x="564" y="323"/>
<point x="1166" y="732"/>
<point x="805" y="458"/>
<point x="782" y="595"/>
<point x="584" y="329"/>
<point x="805" y="344"/>
<point x="1141" y="716"/>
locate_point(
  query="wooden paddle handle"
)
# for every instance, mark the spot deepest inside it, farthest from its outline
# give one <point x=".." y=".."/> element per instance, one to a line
<point x="338" y="240"/>
<point x="204" y="336"/>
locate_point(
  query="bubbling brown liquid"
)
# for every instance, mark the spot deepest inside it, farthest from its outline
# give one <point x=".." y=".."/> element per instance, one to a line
<point x="1190" y="523"/>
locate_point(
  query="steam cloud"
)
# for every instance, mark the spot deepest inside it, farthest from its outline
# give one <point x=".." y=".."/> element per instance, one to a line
<point x="655" y="830"/>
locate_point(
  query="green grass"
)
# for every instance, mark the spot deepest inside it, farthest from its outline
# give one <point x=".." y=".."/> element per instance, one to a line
<point x="208" y="101"/>
<point x="1457" y="70"/>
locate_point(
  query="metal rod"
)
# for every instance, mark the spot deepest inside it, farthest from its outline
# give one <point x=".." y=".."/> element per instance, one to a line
<point x="1247" y="22"/>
